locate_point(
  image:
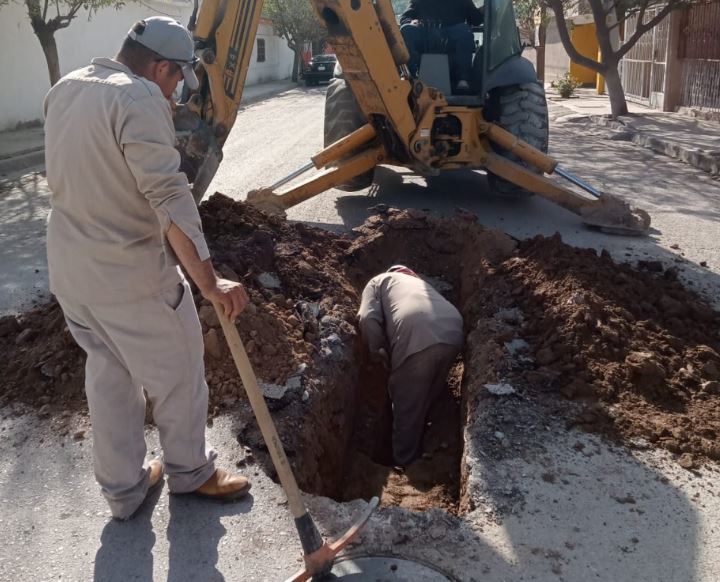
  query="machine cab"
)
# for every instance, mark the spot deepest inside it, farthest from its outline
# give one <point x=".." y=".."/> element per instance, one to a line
<point x="496" y="61"/>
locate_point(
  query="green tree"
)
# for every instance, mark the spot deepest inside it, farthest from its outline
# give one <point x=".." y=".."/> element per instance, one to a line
<point x="296" y="22"/>
<point x="47" y="17"/>
<point x="610" y="17"/>
<point x="531" y="15"/>
<point x="526" y="13"/>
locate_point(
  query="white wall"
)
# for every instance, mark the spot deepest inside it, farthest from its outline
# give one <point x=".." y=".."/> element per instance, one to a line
<point x="557" y="61"/>
<point x="22" y="63"/>
<point x="278" y="57"/>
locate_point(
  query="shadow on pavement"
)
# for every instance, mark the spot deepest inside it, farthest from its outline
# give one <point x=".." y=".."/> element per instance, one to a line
<point x="126" y="547"/>
<point x="194" y="533"/>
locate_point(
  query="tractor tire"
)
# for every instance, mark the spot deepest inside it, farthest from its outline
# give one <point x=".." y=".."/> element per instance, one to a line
<point x="522" y="110"/>
<point x="342" y="117"/>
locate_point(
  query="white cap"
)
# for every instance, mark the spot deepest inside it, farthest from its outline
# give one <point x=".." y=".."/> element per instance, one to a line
<point x="172" y="41"/>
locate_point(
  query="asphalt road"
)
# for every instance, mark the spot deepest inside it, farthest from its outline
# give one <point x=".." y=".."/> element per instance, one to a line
<point x="274" y="137"/>
<point x="271" y="138"/>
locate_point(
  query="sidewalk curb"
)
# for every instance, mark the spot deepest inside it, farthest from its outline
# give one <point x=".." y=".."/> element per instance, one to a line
<point x="24" y="160"/>
<point x="701" y="159"/>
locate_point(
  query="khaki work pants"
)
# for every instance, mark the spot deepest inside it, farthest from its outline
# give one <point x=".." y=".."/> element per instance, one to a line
<point x="414" y="386"/>
<point x="155" y="344"/>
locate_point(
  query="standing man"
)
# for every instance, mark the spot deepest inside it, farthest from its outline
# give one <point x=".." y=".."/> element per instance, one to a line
<point x="426" y="21"/>
<point x="417" y="333"/>
<point x="122" y="218"/>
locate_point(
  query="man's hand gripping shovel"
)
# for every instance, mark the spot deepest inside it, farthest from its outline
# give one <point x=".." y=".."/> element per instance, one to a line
<point x="318" y="554"/>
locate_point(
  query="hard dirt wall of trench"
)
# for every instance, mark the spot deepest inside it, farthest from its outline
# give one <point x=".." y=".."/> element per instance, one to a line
<point x="628" y="353"/>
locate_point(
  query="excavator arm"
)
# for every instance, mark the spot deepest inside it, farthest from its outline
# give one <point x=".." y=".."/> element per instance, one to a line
<point x="403" y="116"/>
<point x="224" y="33"/>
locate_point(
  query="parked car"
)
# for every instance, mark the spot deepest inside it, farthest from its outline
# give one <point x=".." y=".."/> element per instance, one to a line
<point x="320" y="68"/>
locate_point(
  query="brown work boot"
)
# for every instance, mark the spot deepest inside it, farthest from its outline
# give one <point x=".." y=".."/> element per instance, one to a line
<point x="155" y="473"/>
<point x="224" y="486"/>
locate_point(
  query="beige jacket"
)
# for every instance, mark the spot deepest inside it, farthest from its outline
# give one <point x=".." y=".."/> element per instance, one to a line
<point x="113" y="172"/>
<point x="407" y="315"/>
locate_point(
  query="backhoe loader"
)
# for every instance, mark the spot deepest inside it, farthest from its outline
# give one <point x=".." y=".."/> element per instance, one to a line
<point x="380" y="113"/>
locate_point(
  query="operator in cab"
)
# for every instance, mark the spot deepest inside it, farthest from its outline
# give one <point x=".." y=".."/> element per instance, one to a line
<point x="427" y="22"/>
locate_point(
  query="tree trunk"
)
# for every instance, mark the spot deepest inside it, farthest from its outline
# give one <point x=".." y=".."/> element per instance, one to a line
<point x="49" y="46"/>
<point x="296" y="66"/>
<point x="46" y="36"/>
<point x="540" y="49"/>
<point x="615" y="90"/>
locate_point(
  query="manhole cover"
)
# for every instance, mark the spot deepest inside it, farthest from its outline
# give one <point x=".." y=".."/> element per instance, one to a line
<point x="381" y="569"/>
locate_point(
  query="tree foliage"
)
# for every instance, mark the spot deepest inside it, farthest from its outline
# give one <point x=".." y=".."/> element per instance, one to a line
<point x="400" y="6"/>
<point x="610" y="18"/>
<point x="297" y="23"/>
<point x="526" y="15"/>
<point x="47" y="17"/>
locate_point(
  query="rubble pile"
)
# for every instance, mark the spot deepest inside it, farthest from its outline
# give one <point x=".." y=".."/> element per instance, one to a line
<point x="638" y="349"/>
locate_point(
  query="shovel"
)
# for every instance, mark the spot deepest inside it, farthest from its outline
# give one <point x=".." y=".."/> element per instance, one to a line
<point x="318" y="554"/>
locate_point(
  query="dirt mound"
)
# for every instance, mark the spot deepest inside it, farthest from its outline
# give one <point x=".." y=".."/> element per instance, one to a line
<point x="291" y="273"/>
<point x="627" y="352"/>
<point x="635" y="341"/>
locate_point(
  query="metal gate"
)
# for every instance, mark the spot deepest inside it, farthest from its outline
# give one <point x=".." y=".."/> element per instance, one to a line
<point x="699" y="52"/>
<point x="643" y="67"/>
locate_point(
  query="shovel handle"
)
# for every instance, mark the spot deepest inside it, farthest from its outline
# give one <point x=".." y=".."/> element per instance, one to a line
<point x="262" y="414"/>
<point x="310" y="537"/>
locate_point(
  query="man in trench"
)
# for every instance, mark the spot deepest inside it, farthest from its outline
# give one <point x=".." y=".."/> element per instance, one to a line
<point x="416" y="333"/>
<point x="122" y="218"/>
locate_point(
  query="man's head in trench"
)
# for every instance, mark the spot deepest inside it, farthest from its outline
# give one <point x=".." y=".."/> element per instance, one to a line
<point x="402" y="269"/>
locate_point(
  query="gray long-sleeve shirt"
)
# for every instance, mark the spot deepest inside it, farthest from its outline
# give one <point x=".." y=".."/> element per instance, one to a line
<point x="116" y="187"/>
<point x="407" y="315"/>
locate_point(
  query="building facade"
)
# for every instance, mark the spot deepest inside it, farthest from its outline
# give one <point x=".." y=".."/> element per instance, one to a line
<point x="674" y="66"/>
<point x="25" y="76"/>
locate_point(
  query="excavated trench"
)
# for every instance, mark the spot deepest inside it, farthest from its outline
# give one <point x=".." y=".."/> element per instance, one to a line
<point x="621" y="350"/>
<point x="361" y="445"/>
<point x="358" y="447"/>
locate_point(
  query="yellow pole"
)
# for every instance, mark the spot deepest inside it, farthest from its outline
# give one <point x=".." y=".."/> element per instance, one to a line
<point x="599" y="79"/>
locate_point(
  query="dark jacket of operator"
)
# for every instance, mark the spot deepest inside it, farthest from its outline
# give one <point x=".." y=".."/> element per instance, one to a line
<point x="446" y="12"/>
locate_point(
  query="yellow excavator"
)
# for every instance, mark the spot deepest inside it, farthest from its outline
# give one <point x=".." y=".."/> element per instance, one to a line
<point x="378" y="112"/>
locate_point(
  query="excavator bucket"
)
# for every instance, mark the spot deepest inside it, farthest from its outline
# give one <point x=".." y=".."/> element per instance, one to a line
<point x="614" y="216"/>
<point x="224" y="32"/>
<point x="200" y="152"/>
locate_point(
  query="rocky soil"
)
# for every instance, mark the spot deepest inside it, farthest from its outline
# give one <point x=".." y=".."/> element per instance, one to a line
<point x="621" y="350"/>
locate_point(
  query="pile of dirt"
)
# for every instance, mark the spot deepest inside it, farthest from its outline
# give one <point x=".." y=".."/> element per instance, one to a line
<point x="626" y="352"/>
<point x="637" y="347"/>
<point x="301" y="303"/>
<point x="41" y="365"/>
<point x="290" y="272"/>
